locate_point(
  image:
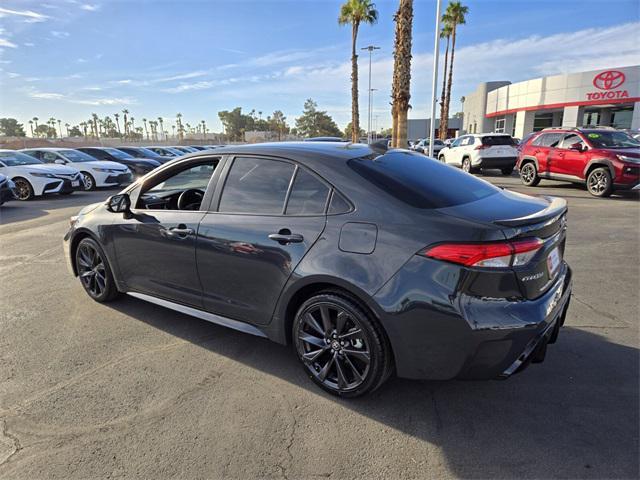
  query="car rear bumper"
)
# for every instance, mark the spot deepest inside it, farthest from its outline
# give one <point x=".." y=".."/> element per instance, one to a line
<point x="496" y="162"/>
<point x="439" y="334"/>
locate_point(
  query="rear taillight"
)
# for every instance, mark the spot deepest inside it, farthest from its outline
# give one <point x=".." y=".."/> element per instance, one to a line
<point x="493" y="254"/>
<point x="482" y="147"/>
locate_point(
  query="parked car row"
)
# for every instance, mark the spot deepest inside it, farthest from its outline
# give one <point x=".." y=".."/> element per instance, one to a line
<point x="32" y="172"/>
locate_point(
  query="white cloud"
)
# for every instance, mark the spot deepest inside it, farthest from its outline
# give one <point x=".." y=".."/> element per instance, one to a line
<point x="13" y="75"/>
<point x="29" y="44"/>
<point x="59" y="34"/>
<point x="6" y="43"/>
<point x="46" y="95"/>
<point x="89" y="7"/>
<point x="104" y="101"/>
<point x="29" y="15"/>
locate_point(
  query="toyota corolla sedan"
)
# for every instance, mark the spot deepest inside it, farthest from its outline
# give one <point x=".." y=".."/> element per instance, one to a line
<point x="95" y="173"/>
<point x="367" y="264"/>
<point x="32" y="178"/>
<point x="138" y="166"/>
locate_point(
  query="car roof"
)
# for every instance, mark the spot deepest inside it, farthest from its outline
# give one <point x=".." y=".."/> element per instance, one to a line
<point x="50" y="149"/>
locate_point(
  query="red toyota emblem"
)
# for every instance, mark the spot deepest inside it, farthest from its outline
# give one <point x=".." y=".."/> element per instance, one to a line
<point x="608" y="80"/>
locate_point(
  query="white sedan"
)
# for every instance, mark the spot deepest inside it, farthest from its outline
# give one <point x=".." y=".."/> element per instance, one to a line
<point x="34" y="178"/>
<point x="96" y="173"/>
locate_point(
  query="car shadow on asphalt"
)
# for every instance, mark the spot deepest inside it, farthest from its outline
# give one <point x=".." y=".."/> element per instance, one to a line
<point x="575" y="415"/>
<point x="19" y="211"/>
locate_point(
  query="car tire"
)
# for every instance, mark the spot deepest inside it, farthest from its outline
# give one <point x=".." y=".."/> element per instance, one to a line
<point x="88" y="181"/>
<point x="599" y="182"/>
<point x="340" y="346"/>
<point x="442" y="159"/>
<point x="66" y="193"/>
<point x="94" y="271"/>
<point x="466" y="165"/>
<point x="23" y="189"/>
<point x="507" y="170"/>
<point x="529" y="174"/>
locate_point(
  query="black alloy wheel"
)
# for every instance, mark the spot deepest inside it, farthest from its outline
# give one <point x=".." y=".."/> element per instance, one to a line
<point x="93" y="271"/>
<point x="599" y="182"/>
<point x="529" y="175"/>
<point x="24" y="190"/>
<point x="340" y="347"/>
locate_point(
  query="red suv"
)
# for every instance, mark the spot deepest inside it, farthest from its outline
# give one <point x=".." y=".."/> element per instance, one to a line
<point x="603" y="159"/>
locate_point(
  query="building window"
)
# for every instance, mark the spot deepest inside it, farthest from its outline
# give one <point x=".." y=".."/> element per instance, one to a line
<point x="499" y="125"/>
<point x="542" y="121"/>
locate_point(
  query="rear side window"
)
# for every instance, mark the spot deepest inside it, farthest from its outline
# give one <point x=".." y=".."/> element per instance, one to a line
<point x="571" y="139"/>
<point x="548" y="140"/>
<point x="308" y="195"/>
<point x="338" y="204"/>
<point x="497" y="140"/>
<point x="421" y="182"/>
<point x="257" y="186"/>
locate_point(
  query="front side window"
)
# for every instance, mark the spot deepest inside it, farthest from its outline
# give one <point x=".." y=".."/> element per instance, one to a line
<point x="257" y="186"/>
<point x="611" y="139"/>
<point x="16" y="159"/>
<point x="571" y="139"/>
<point x="50" y="157"/>
<point x="118" y="153"/>
<point x="308" y="195"/>
<point x="182" y="188"/>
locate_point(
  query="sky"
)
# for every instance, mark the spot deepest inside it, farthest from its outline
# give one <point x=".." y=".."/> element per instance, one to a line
<point x="70" y="58"/>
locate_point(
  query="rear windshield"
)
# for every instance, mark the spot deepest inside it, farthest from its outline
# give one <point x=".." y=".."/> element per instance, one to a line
<point x="497" y="140"/>
<point x="420" y="181"/>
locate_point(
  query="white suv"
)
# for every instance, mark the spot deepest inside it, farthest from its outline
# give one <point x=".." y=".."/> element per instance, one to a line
<point x="95" y="173"/>
<point x="33" y="178"/>
<point x="481" y="151"/>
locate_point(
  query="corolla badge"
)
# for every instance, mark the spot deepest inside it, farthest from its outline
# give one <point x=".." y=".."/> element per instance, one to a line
<point x="535" y="276"/>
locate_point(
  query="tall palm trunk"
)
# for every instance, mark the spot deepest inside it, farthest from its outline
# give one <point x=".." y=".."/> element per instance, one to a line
<point x="402" y="72"/>
<point x="442" y="135"/>
<point x="444" y="121"/>
<point x="355" y="114"/>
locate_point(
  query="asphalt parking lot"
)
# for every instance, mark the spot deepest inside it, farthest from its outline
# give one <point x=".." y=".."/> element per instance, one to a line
<point x="132" y="389"/>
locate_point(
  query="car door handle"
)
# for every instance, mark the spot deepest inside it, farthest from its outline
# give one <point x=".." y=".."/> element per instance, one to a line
<point x="181" y="231"/>
<point x="285" y="236"/>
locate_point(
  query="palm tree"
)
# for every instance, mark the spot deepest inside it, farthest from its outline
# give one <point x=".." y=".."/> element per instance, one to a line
<point x="31" y="126"/>
<point x="144" y="120"/>
<point x="35" y="120"/>
<point x="94" y="118"/>
<point x="204" y="129"/>
<point x="60" y="127"/>
<point x="401" y="86"/>
<point x="84" y="128"/>
<point x="66" y="126"/>
<point x="355" y="12"/>
<point x="160" y="120"/>
<point x="455" y="15"/>
<point x="444" y="33"/>
<point x="124" y="119"/>
<point x="117" y="117"/>
<point x="180" y="129"/>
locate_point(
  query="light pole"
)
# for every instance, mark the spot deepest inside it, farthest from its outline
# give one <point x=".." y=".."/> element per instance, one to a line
<point x="434" y="81"/>
<point x="371" y="129"/>
<point x="371" y="48"/>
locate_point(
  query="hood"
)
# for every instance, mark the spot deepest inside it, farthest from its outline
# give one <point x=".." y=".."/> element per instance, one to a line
<point x="633" y="153"/>
<point x="103" y="164"/>
<point x="89" y="208"/>
<point x="145" y="162"/>
<point x="50" y="168"/>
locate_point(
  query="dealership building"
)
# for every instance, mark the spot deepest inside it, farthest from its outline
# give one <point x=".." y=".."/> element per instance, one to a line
<point x="608" y="97"/>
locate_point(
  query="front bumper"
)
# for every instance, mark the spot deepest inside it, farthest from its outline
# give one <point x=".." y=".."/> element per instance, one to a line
<point x="63" y="185"/>
<point x="119" y="179"/>
<point x="7" y="193"/>
<point x="439" y="333"/>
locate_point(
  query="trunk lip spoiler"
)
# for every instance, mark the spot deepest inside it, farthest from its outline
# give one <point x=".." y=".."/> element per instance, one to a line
<point x="556" y="208"/>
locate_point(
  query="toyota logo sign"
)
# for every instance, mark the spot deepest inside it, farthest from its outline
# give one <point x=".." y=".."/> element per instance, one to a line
<point x="608" y="80"/>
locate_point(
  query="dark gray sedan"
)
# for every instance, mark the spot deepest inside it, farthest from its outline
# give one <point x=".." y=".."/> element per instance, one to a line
<point x="368" y="264"/>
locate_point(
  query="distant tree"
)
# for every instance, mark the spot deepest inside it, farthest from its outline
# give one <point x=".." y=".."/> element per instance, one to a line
<point x="386" y="133"/>
<point x="160" y="120"/>
<point x="278" y="123"/>
<point x="348" y="132"/>
<point x="117" y="117"/>
<point x="9" y="127"/>
<point x="94" y="120"/>
<point x="125" y="112"/>
<point x="66" y="125"/>
<point x="45" y="130"/>
<point x="235" y="123"/>
<point x="75" y="131"/>
<point x="316" y="123"/>
<point x="355" y="12"/>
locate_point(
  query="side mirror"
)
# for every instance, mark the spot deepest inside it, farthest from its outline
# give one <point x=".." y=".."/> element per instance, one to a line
<point x="576" y="146"/>
<point x="120" y="203"/>
<point x="59" y="161"/>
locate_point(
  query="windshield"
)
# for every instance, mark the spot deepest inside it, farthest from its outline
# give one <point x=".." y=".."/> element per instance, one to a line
<point x="118" y="154"/>
<point x="76" y="156"/>
<point x="612" y="139"/>
<point x="420" y="181"/>
<point x="15" y="159"/>
<point x="147" y="152"/>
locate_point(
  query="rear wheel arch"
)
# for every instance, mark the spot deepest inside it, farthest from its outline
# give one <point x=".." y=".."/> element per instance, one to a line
<point x="533" y="160"/>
